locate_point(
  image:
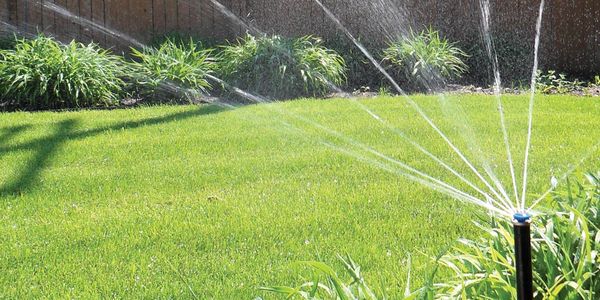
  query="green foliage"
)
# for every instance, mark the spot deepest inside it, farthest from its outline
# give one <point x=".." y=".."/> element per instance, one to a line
<point x="565" y="242"/>
<point x="427" y="55"/>
<point x="281" y="68"/>
<point x="332" y="286"/>
<point x="384" y="91"/>
<point x="553" y="83"/>
<point x="41" y="73"/>
<point x="173" y="71"/>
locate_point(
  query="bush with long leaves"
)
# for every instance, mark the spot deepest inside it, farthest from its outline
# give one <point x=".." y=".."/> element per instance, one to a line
<point x="41" y="73"/>
<point x="281" y="68"/>
<point x="173" y="71"/>
<point x="565" y="242"/>
<point x="426" y="57"/>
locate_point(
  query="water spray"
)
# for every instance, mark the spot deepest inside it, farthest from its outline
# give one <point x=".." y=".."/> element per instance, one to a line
<point x="524" y="270"/>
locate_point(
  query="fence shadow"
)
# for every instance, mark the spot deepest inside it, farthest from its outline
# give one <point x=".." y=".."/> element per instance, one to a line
<point x="46" y="148"/>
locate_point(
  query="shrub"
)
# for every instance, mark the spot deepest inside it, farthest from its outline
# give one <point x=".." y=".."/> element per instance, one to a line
<point x="426" y="56"/>
<point x="173" y="71"/>
<point x="281" y="68"/>
<point x="41" y="73"/>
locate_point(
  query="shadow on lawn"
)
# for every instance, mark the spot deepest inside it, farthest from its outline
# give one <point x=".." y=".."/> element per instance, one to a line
<point x="46" y="147"/>
<point x="8" y="133"/>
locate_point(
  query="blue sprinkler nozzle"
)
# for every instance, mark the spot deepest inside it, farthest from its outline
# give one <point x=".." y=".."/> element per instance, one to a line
<point x="522" y="217"/>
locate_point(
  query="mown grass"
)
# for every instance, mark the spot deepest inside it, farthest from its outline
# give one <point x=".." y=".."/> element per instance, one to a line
<point x="203" y="202"/>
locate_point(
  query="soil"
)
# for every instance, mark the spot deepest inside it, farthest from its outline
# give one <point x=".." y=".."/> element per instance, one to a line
<point x="593" y="91"/>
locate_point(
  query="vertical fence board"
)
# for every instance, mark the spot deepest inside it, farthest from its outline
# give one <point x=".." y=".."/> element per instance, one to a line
<point x="72" y="26"/>
<point x="3" y="12"/>
<point x="205" y="19"/>
<point x="196" y="11"/>
<point x="183" y="16"/>
<point x="158" y="18"/>
<point x="85" y="12"/>
<point x="574" y="29"/>
<point x="48" y="17"/>
<point x="590" y="24"/>
<point x="171" y="8"/>
<point x="34" y="18"/>
<point x="97" y="11"/>
<point x="139" y="23"/>
<point x="235" y="27"/>
<point x="11" y="6"/>
<point x="22" y="15"/>
<point x="116" y="11"/>
<point x="593" y="31"/>
<point x="242" y="13"/>
<point x="229" y="25"/>
<point x="60" y="21"/>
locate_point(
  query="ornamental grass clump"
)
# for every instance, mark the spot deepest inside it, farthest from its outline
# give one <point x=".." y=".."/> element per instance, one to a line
<point x="281" y="68"/>
<point x="173" y="72"/>
<point x="43" y="74"/>
<point x="426" y="58"/>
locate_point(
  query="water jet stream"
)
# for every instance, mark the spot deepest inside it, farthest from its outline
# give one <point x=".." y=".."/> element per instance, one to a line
<point x="228" y="13"/>
<point x="531" y="101"/>
<point x="493" y="56"/>
<point x="88" y="23"/>
<point x="401" y="91"/>
<point x="427" y="181"/>
<point x="433" y="157"/>
<point x="440" y="188"/>
<point x="473" y="145"/>
<point x="389" y="15"/>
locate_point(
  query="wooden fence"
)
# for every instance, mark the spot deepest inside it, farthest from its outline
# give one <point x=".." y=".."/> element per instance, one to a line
<point x="570" y="40"/>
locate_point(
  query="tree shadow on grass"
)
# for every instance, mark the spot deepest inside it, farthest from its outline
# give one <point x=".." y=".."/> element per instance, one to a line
<point x="48" y="146"/>
<point x="45" y="148"/>
<point x="8" y="133"/>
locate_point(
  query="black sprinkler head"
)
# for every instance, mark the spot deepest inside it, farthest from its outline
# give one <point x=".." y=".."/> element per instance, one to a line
<point x="522" y="230"/>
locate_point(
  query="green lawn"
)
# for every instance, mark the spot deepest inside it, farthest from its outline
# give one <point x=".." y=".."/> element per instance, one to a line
<point x="184" y="201"/>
